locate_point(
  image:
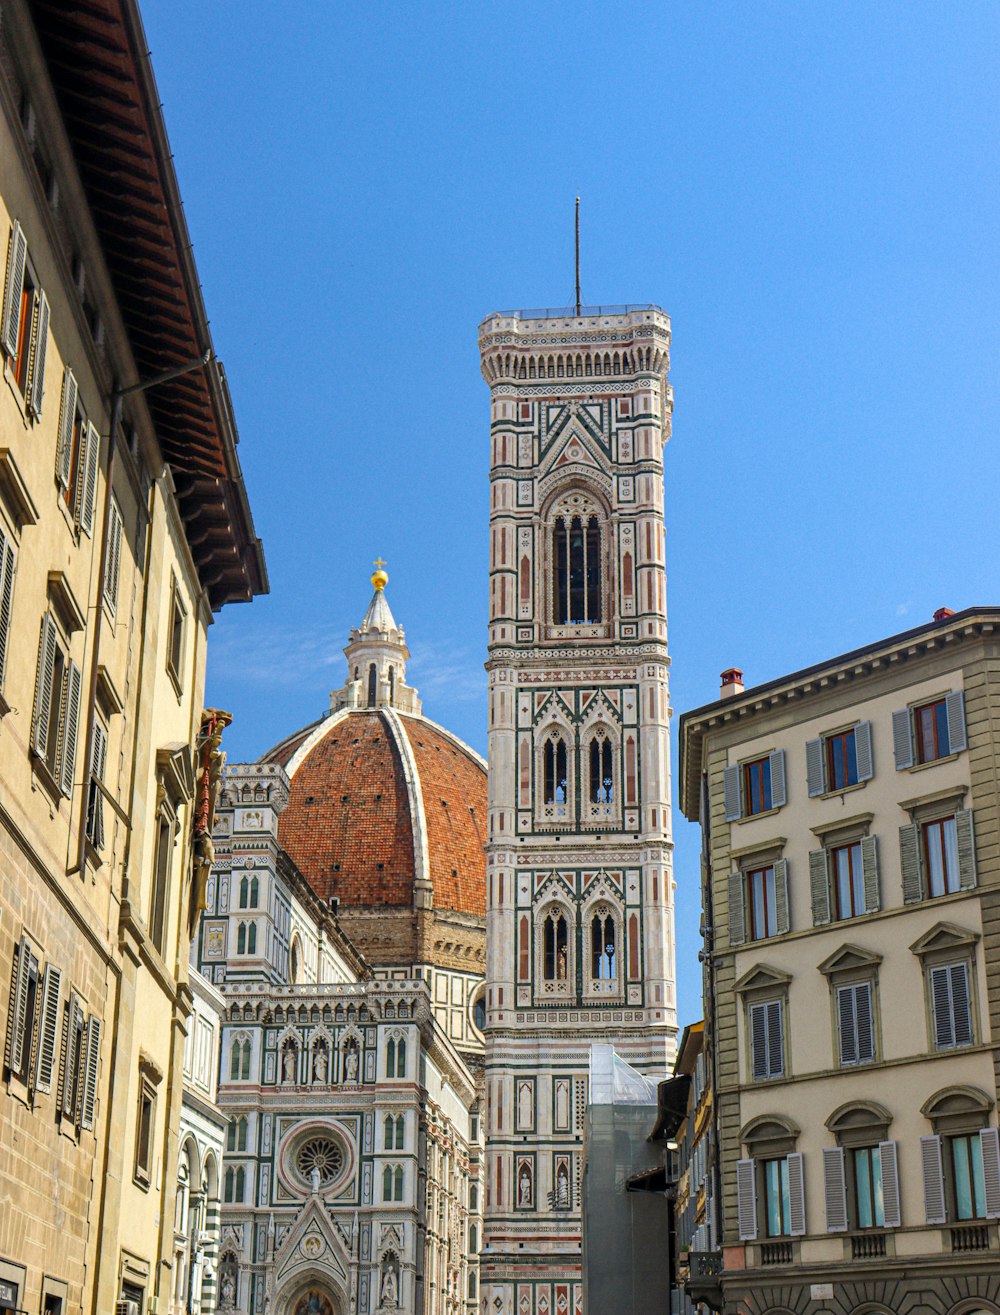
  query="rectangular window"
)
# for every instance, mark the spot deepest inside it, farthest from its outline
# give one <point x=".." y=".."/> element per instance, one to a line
<point x="767" y="1043"/>
<point x="849" y="880"/>
<point x="869" y="1202"/>
<point x="145" y="1121"/>
<point x="941" y="856"/>
<point x="161" y="883"/>
<point x="777" y="1198"/>
<point x="856" y="1023"/>
<point x="930" y="724"/>
<point x="841" y="761"/>
<point x="112" y="561"/>
<point x="761" y="903"/>
<point x="175" y="640"/>
<point x="757" y="786"/>
<point x="58" y="690"/>
<point x="951" y="1006"/>
<point x="969" y="1179"/>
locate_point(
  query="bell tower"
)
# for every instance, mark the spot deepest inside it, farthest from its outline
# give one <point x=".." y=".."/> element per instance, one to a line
<point x="580" y="935"/>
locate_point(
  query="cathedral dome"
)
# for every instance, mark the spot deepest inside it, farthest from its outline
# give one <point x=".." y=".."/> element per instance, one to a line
<point x="387" y="810"/>
<point x="382" y="803"/>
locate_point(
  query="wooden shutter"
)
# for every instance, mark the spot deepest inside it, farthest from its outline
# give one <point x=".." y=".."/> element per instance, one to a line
<point x="43" y="686"/>
<point x="49" y="1019"/>
<point x="737" y="914"/>
<point x="88" y="1100"/>
<point x="835" y="1189"/>
<point x="6" y="598"/>
<point x="966" y="849"/>
<point x="954" y="706"/>
<point x="112" y="560"/>
<point x="819" y="881"/>
<point x="87" y="498"/>
<point x="909" y="860"/>
<point x="989" y="1140"/>
<point x="17" y="255"/>
<point x="796" y="1195"/>
<point x="961" y="1003"/>
<point x="847" y="1024"/>
<point x="39" y="346"/>
<point x="863" y="746"/>
<point x="70" y="728"/>
<point x="17" y="1008"/>
<point x="944" y="1030"/>
<point x="814" y="767"/>
<point x="869" y="868"/>
<point x="731" y="793"/>
<point x="746" y="1200"/>
<point x="864" y="1015"/>
<point x="71" y="1058"/>
<point x="930" y="1160"/>
<point x="781" y="895"/>
<point x="779" y="794"/>
<point x="775" y="1039"/>
<point x="67" y="421"/>
<point x="890" y="1184"/>
<point x="902" y="738"/>
<point x="757" y="1015"/>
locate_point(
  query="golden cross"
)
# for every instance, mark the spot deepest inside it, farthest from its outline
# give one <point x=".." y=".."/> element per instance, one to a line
<point x="378" y="563"/>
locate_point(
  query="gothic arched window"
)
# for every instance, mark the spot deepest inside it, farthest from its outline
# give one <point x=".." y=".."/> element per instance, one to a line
<point x="241" y="937"/>
<point x="236" y="1139"/>
<point x="239" y="1061"/>
<point x="254" y="892"/>
<point x="555" y="967"/>
<point x="576" y="570"/>
<point x="602" y="781"/>
<point x="244" y="891"/>
<point x="392" y="685"/>
<point x="372" y="685"/>
<point x="555" y="783"/>
<point x="252" y="939"/>
<point x="603" y="949"/>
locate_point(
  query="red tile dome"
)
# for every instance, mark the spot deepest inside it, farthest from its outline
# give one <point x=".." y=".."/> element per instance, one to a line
<point x="381" y="799"/>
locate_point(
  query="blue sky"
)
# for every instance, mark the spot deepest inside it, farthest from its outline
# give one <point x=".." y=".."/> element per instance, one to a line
<point x="810" y="190"/>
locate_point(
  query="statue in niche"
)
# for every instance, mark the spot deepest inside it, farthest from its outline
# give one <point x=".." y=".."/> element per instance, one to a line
<point x="524" y="1187"/>
<point x="351" y="1063"/>
<point x="288" y="1064"/>
<point x="562" y="1105"/>
<point x="562" y="1186"/>
<point x="314" y="1180"/>
<point x="390" y="1286"/>
<point x="228" y="1291"/>
<point x="319" y="1064"/>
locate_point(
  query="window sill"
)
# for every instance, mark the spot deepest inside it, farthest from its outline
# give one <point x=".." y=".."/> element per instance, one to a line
<point x="755" y="817"/>
<point x="41" y="771"/>
<point x="142" y="1181"/>
<point x="175" y="680"/>
<point x="16" y="393"/>
<point x="844" y="789"/>
<point x="931" y="762"/>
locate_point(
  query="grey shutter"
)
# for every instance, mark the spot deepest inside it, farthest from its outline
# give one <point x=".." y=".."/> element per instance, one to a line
<point x="781" y="895"/>
<point x="737" y="915"/>
<point x="966" y="849"/>
<point x="67" y="420"/>
<point x="89" y="1083"/>
<point x="869" y="867"/>
<point x="43" y="685"/>
<point x="864" y="1016"/>
<point x="989" y="1141"/>
<point x="758" y="1042"/>
<point x="796" y="1195"/>
<point x="17" y="1009"/>
<point x="779" y="796"/>
<point x="863" y="747"/>
<point x="746" y="1200"/>
<point x="775" y="1040"/>
<point x="39" y="346"/>
<point x="49" y="1016"/>
<point x="944" y="1028"/>
<point x="70" y="729"/>
<point x="87" y="499"/>
<point x="847" y="1025"/>
<point x="954" y="706"/>
<point x="731" y="793"/>
<point x="6" y="599"/>
<point x="819" y="881"/>
<point x="814" y="766"/>
<point x="112" y="561"/>
<point x="930" y="1159"/>
<point x="835" y="1189"/>
<point x="99" y="755"/>
<point x="890" y="1184"/>
<point x="71" y="1058"/>
<point x="961" y="1003"/>
<point x="17" y="255"/>
<point x="902" y="738"/>
<point x="909" y="860"/>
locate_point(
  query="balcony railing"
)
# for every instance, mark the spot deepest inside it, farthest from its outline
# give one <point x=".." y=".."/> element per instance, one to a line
<point x="971" y="1237"/>
<point x="868" y="1246"/>
<point x="703" y="1281"/>
<point x="571" y="313"/>
<point x="776" y="1253"/>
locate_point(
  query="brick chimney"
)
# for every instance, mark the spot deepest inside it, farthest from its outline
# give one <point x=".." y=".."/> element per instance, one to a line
<point x="943" y="613"/>
<point x="732" y="683"/>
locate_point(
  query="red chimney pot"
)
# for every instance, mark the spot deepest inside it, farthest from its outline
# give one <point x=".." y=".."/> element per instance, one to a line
<point x="943" y="613"/>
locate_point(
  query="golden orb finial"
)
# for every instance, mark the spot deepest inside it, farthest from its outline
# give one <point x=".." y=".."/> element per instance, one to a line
<point x="379" y="577"/>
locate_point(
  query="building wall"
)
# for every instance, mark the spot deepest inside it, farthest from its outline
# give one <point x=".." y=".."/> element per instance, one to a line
<point x="569" y="441"/>
<point x="894" y="946"/>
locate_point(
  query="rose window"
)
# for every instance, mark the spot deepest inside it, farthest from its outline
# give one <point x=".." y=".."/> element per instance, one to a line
<point x="322" y="1154"/>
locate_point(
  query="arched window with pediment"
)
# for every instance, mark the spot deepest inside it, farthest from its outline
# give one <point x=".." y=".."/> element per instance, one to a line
<point x="576" y="569"/>
<point x="239" y="1059"/>
<point x="555" y="950"/>
<point x="254" y="892"/>
<point x="602" y="778"/>
<point x="244" y="891"/>
<point x="555" y="773"/>
<point x="603" y="945"/>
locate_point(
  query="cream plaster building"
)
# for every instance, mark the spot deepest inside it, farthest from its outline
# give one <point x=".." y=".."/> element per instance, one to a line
<point x="851" y="824"/>
<point x="124" y="525"/>
<point x="580" y="944"/>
